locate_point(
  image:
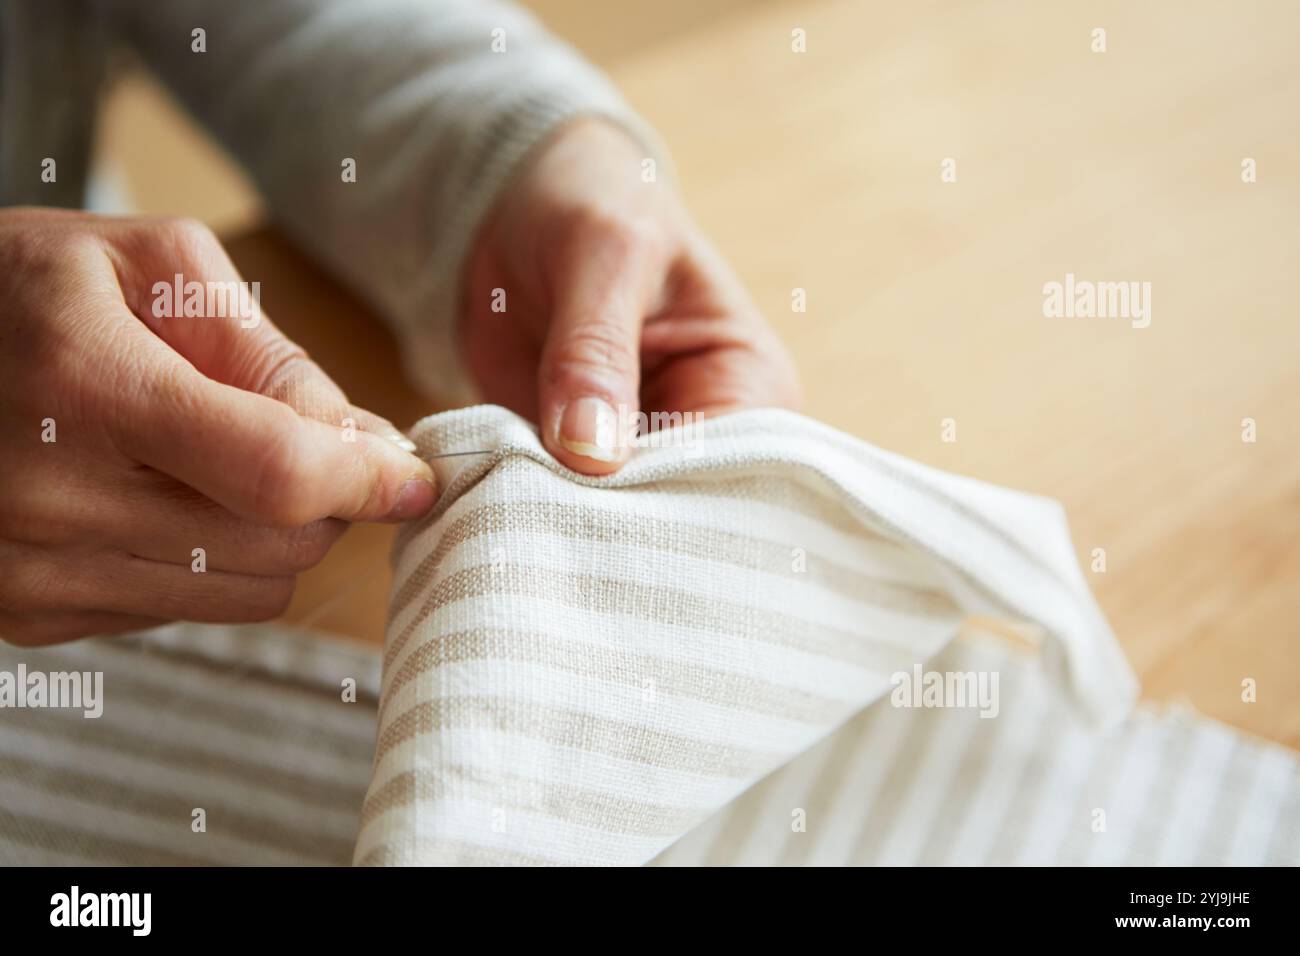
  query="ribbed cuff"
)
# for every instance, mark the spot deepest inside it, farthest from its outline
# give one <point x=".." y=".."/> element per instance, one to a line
<point x="433" y="355"/>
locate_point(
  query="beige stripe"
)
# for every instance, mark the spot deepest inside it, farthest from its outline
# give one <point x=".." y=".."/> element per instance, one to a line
<point x="567" y="728"/>
<point x="670" y="678"/>
<point x="743" y="817"/>
<point x="939" y="502"/>
<point x="951" y="816"/>
<point x="94" y="734"/>
<point x="72" y="841"/>
<point x="891" y="799"/>
<point x="900" y="474"/>
<point x="851" y="504"/>
<point x="584" y="523"/>
<point x="1100" y="782"/>
<point x="1153" y="816"/>
<point x="553" y="800"/>
<point x="1030" y="793"/>
<point x="656" y="605"/>
<point x="423" y="851"/>
<point x="310" y="733"/>
<point x="988" y="736"/>
<point x="848" y="502"/>
<point x="215" y="670"/>
<point x="161" y="807"/>
<point x="990" y="528"/>
<point x="779" y="491"/>
<point x="824" y="791"/>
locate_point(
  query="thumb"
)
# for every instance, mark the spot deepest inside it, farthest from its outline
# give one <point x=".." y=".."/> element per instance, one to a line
<point x="264" y="361"/>
<point x="590" y="369"/>
<point x="203" y="310"/>
<point x="233" y="341"/>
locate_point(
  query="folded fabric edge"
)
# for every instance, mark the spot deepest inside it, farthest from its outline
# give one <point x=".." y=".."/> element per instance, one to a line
<point x="1081" y="653"/>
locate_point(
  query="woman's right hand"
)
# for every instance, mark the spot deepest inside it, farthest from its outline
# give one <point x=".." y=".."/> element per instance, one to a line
<point x="164" y="468"/>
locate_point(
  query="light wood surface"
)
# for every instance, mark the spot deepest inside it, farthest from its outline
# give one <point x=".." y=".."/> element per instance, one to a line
<point x="821" y="171"/>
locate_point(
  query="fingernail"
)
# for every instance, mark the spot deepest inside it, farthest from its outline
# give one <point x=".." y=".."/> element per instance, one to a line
<point x="589" y="427"/>
<point x="398" y="439"/>
<point x="414" y="499"/>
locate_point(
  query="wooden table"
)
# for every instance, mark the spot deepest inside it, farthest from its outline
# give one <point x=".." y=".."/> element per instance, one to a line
<point x="822" y="171"/>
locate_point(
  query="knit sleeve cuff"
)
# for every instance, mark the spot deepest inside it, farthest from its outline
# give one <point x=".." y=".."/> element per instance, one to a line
<point x="431" y="322"/>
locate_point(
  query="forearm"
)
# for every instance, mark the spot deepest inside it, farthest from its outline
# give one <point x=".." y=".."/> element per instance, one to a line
<point x="432" y="102"/>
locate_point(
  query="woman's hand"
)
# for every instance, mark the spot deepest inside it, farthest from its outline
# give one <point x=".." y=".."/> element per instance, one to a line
<point x="158" y="468"/>
<point x="614" y="303"/>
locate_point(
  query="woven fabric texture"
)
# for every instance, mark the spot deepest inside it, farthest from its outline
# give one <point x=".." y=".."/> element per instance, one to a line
<point x="581" y="670"/>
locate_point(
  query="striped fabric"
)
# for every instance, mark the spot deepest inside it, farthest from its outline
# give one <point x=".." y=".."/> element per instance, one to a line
<point x="606" y="672"/>
<point x="581" y="670"/>
<point x="1034" y="787"/>
<point x="249" y="725"/>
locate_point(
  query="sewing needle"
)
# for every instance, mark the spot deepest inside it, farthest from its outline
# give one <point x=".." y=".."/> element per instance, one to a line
<point x="457" y="454"/>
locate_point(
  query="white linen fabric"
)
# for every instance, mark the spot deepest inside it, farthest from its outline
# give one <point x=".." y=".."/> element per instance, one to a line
<point x="1034" y="787"/>
<point x="251" y="725"/>
<point x="606" y="671"/>
<point x="580" y="670"/>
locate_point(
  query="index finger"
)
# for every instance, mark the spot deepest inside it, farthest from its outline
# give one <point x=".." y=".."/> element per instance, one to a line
<point x="265" y="462"/>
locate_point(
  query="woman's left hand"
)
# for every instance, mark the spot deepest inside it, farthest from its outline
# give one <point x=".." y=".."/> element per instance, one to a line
<point x="608" y="302"/>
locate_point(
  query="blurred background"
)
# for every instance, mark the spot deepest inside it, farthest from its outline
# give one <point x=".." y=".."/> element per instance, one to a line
<point x="822" y="171"/>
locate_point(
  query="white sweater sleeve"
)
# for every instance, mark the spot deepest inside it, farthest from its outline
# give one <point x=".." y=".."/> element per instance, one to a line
<point x="436" y="101"/>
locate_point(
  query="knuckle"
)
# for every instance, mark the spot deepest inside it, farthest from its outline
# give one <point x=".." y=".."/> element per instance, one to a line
<point x="18" y="635"/>
<point x="281" y="487"/>
<point x="18" y="520"/>
<point x="305" y="547"/>
<point x="53" y="316"/>
<point x="22" y="632"/>
<point x="27" y="586"/>
<point x="30" y="250"/>
<point x="167" y="385"/>
<point x="32" y="524"/>
<point x="619" y="235"/>
<point x="264" y="598"/>
<point x="38" y="505"/>
<point x="182" y="235"/>
<point x="283" y="360"/>
<point x="42" y="631"/>
<point x="164" y="388"/>
<point x="41" y="236"/>
<point x="594" y="346"/>
<point x="283" y="371"/>
<point x="615" y="237"/>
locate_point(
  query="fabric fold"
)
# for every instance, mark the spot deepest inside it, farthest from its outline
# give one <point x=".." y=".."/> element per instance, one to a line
<point x="580" y="670"/>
